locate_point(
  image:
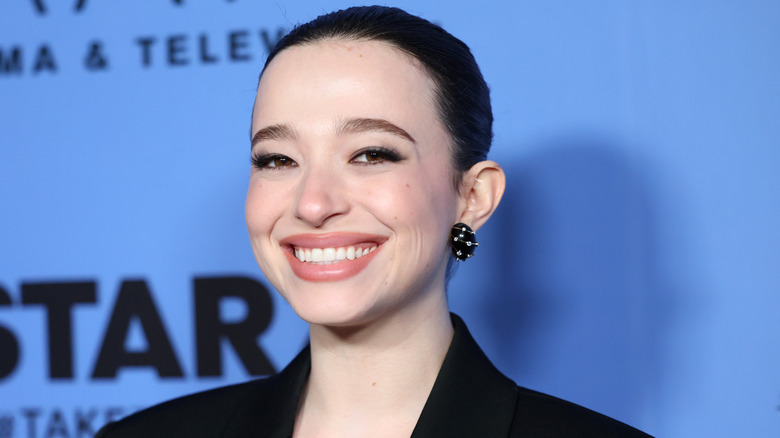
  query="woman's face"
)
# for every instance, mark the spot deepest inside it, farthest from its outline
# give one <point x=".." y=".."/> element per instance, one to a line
<point x="350" y="198"/>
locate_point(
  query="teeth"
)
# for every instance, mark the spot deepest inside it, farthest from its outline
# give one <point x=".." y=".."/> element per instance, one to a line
<point x="331" y="255"/>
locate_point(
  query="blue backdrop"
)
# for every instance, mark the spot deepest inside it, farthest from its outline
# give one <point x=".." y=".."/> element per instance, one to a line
<point x="632" y="266"/>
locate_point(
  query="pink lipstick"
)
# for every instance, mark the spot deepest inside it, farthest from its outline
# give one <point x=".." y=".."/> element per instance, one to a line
<point x="331" y="256"/>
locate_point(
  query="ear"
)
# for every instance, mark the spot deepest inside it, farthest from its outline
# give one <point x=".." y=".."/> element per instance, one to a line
<point x="481" y="191"/>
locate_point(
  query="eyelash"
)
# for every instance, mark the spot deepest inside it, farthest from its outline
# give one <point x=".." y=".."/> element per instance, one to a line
<point x="379" y="155"/>
<point x="262" y="161"/>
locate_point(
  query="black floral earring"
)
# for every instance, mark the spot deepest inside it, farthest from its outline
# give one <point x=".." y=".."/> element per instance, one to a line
<point x="463" y="241"/>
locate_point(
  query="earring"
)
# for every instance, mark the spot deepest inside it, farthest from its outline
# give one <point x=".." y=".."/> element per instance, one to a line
<point x="463" y="241"/>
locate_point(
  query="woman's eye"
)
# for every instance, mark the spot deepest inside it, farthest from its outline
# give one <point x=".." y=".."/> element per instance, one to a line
<point x="376" y="156"/>
<point x="272" y="161"/>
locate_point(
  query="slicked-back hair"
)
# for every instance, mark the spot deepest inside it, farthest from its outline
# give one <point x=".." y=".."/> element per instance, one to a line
<point x="462" y="97"/>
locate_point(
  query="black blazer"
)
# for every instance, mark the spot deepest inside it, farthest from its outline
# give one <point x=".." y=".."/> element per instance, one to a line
<point x="470" y="399"/>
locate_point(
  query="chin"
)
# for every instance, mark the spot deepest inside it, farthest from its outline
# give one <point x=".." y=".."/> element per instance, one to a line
<point x="334" y="317"/>
<point x="337" y="305"/>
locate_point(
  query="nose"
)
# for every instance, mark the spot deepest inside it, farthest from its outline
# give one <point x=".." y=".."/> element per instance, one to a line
<point x="319" y="197"/>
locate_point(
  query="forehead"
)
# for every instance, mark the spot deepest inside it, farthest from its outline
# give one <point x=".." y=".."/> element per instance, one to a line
<point x="345" y="78"/>
<point x="349" y="54"/>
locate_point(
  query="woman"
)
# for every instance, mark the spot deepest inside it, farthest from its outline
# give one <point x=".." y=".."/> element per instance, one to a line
<point x="369" y="140"/>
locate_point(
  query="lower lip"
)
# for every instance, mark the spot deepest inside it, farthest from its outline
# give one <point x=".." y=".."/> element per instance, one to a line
<point x="330" y="272"/>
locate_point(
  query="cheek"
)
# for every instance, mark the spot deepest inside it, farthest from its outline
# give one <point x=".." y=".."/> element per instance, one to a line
<point x="259" y="210"/>
<point x="252" y="208"/>
<point x="422" y="202"/>
<point x="263" y="208"/>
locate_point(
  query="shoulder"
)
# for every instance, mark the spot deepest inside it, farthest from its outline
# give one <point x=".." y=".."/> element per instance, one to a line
<point x="264" y="407"/>
<point x="472" y="398"/>
<point x="539" y="414"/>
<point x="203" y="414"/>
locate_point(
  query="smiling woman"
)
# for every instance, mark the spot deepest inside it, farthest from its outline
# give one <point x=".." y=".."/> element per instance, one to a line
<point x="363" y="120"/>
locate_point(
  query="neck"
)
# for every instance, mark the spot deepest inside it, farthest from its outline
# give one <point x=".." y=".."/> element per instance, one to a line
<point x="381" y="372"/>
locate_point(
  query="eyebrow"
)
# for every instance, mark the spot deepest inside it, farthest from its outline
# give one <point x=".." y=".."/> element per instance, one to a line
<point x="274" y="132"/>
<point x="357" y="125"/>
<point x="348" y="126"/>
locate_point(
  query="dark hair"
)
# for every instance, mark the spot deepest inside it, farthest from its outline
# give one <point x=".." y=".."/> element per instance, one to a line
<point x="462" y="96"/>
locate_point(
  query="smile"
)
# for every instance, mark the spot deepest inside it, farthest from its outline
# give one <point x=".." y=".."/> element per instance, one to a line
<point x="334" y="256"/>
<point x="327" y="256"/>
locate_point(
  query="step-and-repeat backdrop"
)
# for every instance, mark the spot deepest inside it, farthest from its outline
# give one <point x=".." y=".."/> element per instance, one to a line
<point x="633" y="266"/>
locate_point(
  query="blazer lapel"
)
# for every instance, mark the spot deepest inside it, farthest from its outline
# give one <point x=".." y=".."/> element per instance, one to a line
<point x="470" y="397"/>
<point x="270" y="412"/>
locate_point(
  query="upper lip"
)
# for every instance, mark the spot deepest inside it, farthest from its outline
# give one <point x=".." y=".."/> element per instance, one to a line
<point x="331" y="240"/>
